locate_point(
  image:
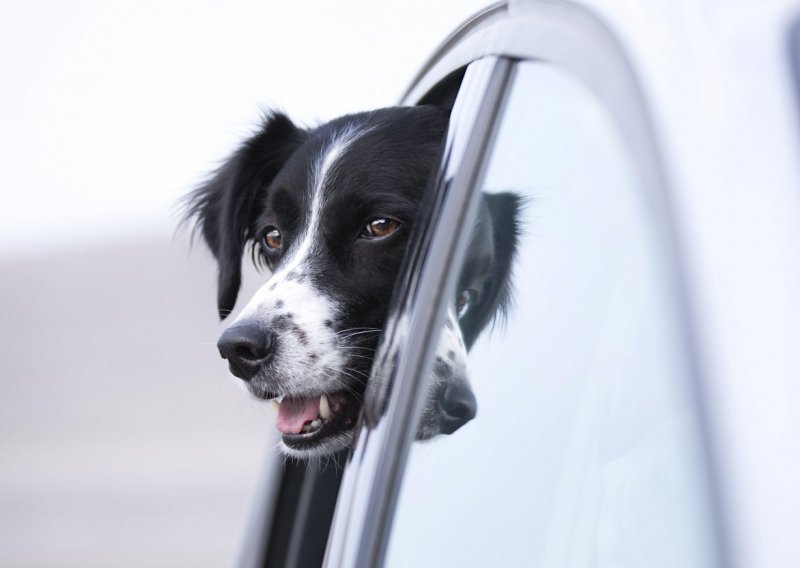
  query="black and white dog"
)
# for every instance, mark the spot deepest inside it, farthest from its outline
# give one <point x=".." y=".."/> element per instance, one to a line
<point x="329" y="211"/>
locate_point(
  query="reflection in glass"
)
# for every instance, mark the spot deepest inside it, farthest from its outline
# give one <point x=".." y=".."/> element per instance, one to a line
<point x="483" y="292"/>
<point x="584" y="450"/>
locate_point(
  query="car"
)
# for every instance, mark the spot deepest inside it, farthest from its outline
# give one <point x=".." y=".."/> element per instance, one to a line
<point x="638" y="404"/>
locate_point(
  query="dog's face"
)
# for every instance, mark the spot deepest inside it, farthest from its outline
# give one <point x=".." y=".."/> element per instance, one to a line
<point x="329" y="211"/>
<point x="483" y="292"/>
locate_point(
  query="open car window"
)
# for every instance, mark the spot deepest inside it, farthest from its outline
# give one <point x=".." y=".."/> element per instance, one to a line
<point x="549" y="255"/>
<point x="584" y="449"/>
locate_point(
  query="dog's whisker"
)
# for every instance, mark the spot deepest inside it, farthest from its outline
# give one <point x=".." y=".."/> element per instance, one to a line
<point x="359" y="341"/>
<point x="362" y="373"/>
<point x="360" y="356"/>
<point x="366" y="332"/>
<point x="349" y="329"/>
<point x="349" y="372"/>
<point x="359" y="333"/>
<point x="347" y="387"/>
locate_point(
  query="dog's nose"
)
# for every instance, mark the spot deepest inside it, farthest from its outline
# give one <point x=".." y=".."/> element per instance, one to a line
<point x="246" y="346"/>
<point x="457" y="406"/>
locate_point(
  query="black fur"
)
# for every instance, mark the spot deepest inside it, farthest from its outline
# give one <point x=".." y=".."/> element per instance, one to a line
<point x="490" y="258"/>
<point x="225" y="206"/>
<point x="269" y="182"/>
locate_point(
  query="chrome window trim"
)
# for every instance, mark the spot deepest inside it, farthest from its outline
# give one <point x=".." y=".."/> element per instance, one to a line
<point x="372" y="480"/>
<point x="254" y="545"/>
<point x="477" y="21"/>
<point x="793" y="49"/>
<point x="560" y="33"/>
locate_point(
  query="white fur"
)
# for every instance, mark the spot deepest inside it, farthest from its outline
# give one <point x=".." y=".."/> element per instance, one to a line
<point x="450" y="341"/>
<point x="294" y="369"/>
<point x="325" y="447"/>
<point x="302" y="254"/>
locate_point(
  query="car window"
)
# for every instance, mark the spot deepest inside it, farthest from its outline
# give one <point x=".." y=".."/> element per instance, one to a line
<point x="585" y="448"/>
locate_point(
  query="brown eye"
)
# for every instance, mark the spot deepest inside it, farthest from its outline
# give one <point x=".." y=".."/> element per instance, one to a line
<point x="380" y="227"/>
<point x="272" y="239"/>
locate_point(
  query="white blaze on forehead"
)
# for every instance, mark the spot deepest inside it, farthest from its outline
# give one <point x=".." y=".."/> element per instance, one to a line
<point x="308" y="239"/>
<point x="281" y="286"/>
<point x="291" y="294"/>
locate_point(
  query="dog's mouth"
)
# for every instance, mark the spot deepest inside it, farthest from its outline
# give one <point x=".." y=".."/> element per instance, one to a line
<point x="306" y="422"/>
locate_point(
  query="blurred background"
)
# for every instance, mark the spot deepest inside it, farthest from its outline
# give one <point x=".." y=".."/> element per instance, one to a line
<point x="124" y="440"/>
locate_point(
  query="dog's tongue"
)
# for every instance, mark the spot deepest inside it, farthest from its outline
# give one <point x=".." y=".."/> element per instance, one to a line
<point x="293" y="413"/>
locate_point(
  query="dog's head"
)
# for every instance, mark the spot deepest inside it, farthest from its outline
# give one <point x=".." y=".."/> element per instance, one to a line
<point x="329" y="211"/>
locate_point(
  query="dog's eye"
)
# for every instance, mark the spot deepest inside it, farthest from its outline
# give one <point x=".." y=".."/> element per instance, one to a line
<point x="465" y="299"/>
<point x="271" y="238"/>
<point x="380" y="227"/>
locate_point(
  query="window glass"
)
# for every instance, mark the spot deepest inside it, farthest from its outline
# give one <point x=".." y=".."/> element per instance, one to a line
<point x="585" y="448"/>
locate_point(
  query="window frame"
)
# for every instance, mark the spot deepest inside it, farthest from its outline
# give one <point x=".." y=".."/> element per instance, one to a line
<point x="404" y="359"/>
<point x="561" y="34"/>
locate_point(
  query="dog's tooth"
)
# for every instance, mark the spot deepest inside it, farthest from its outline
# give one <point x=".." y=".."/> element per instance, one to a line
<point x="275" y="404"/>
<point x="316" y="423"/>
<point x="324" y="407"/>
<point x="279" y="399"/>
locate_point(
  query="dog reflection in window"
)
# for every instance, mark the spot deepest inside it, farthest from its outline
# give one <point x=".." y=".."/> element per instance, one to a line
<point x="329" y="211"/>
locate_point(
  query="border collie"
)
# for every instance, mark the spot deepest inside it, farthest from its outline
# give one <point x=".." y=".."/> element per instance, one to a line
<point x="329" y="211"/>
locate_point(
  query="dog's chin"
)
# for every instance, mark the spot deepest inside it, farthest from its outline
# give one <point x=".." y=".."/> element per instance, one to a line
<point x="321" y="448"/>
<point x="310" y="428"/>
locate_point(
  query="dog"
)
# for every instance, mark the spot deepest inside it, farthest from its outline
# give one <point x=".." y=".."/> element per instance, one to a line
<point x="329" y="211"/>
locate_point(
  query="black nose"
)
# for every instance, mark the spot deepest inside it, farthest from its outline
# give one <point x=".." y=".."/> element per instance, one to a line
<point x="457" y="406"/>
<point x="246" y="346"/>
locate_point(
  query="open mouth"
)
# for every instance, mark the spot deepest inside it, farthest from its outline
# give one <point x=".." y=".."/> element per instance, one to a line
<point x="307" y="421"/>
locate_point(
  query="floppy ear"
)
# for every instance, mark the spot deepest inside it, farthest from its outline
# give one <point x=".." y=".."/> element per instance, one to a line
<point x="504" y="209"/>
<point x="224" y="208"/>
<point x="503" y="218"/>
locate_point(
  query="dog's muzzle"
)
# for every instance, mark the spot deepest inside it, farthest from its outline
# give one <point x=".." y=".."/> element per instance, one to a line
<point x="457" y="406"/>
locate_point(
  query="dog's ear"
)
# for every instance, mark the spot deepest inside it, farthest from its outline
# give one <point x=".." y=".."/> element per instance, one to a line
<point x="224" y="208"/>
<point x="504" y="210"/>
<point x="500" y="219"/>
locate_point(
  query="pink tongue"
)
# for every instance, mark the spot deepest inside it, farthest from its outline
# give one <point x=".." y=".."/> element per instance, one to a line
<point x="293" y="413"/>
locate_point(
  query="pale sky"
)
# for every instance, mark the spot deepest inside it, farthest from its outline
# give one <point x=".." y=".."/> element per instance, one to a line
<point x="111" y="111"/>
